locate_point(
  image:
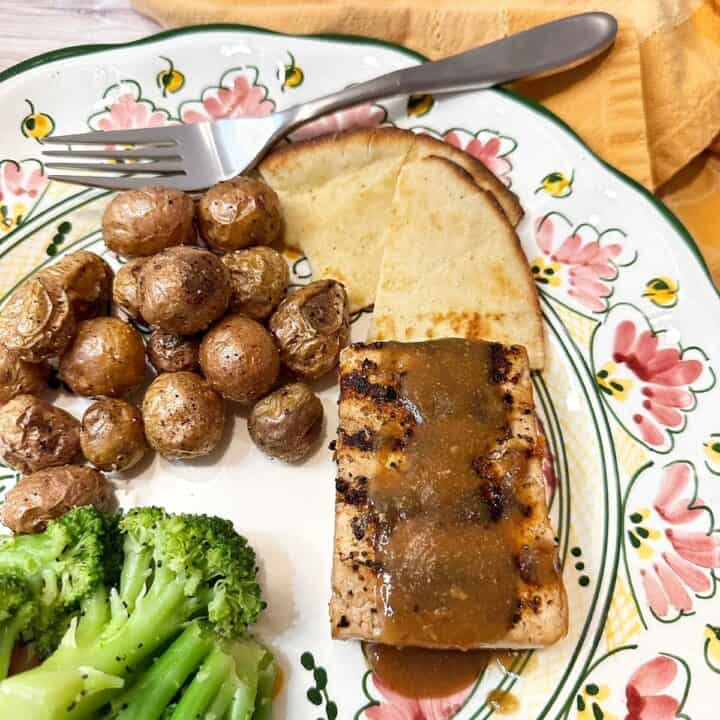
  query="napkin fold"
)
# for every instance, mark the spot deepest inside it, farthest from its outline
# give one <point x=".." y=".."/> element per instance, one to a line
<point x="649" y="106"/>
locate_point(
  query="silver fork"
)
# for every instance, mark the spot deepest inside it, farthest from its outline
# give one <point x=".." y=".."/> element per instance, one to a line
<point x="194" y="157"/>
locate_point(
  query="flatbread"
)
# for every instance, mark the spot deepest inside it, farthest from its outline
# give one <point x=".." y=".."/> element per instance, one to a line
<point x="453" y="266"/>
<point x="336" y="194"/>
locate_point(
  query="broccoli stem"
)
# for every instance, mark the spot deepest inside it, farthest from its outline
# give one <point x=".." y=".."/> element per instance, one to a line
<point x="41" y="696"/>
<point x="159" y="615"/>
<point x="116" y="653"/>
<point x="219" y="707"/>
<point x="243" y="703"/>
<point x="94" y="615"/>
<point x="266" y="688"/>
<point x="9" y="632"/>
<point x="201" y="692"/>
<point x="135" y="573"/>
<point x="148" y="698"/>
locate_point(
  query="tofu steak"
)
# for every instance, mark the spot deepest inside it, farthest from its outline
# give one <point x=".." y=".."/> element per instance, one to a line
<point x="442" y="538"/>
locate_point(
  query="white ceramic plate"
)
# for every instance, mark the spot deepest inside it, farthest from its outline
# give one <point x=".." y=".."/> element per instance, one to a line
<point x="628" y="400"/>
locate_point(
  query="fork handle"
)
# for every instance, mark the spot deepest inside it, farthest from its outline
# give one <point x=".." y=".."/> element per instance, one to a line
<point x="553" y="46"/>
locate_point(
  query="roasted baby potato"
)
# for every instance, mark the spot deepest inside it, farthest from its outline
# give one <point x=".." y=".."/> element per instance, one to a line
<point x="183" y="290"/>
<point x="260" y="279"/>
<point x="50" y="493"/>
<point x="87" y="280"/>
<point x="107" y="357"/>
<point x="286" y="423"/>
<point x="169" y="352"/>
<point x="125" y="287"/>
<point x="311" y="326"/>
<point x="138" y="223"/>
<point x="19" y="377"/>
<point x="35" y="435"/>
<point x="238" y="213"/>
<point x="239" y="359"/>
<point x="184" y="417"/>
<point x="112" y="435"/>
<point x="37" y="322"/>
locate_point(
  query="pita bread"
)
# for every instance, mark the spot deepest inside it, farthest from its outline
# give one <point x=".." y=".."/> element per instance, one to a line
<point x="453" y="265"/>
<point x="336" y="193"/>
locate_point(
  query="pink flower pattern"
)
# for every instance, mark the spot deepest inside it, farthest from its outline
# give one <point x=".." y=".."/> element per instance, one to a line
<point x="486" y="147"/>
<point x="24" y="179"/>
<point x="127" y="113"/>
<point x="644" y="692"/>
<point x="665" y="378"/>
<point x="127" y="110"/>
<point x="399" y="707"/>
<point x="237" y="95"/>
<point x="580" y="251"/>
<point x="366" y="115"/>
<point x="686" y="565"/>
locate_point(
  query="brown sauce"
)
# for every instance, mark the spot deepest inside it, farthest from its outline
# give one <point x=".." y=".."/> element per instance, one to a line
<point x="279" y="683"/>
<point x="503" y="702"/>
<point x="421" y="672"/>
<point x="447" y="512"/>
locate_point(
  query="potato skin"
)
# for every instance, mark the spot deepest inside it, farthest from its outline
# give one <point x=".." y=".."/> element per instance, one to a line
<point x="125" y="291"/>
<point x="238" y="213"/>
<point x="37" y="322"/>
<point x="184" y="417"/>
<point x="138" y="223"/>
<point x="35" y="434"/>
<point x="312" y="326"/>
<point x="286" y="423"/>
<point x="169" y="352"/>
<point x="19" y="377"/>
<point x="50" y="493"/>
<point x="87" y="279"/>
<point x="183" y="290"/>
<point x="107" y="357"/>
<point x="259" y="278"/>
<point x="239" y="359"/>
<point x="112" y="435"/>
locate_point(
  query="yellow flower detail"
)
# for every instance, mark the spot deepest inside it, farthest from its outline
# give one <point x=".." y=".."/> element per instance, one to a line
<point x="589" y="703"/>
<point x="294" y="75"/>
<point x="546" y="273"/>
<point x="661" y="291"/>
<point x="641" y="536"/>
<point x="712" y="646"/>
<point x="11" y="218"/>
<point x="170" y="80"/>
<point x="617" y="388"/>
<point x="419" y="105"/>
<point x="557" y="184"/>
<point x="712" y="449"/>
<point x="36" y="125"/>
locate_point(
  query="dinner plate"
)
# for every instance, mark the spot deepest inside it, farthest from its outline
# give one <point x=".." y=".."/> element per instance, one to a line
<point x="628" y="399"/>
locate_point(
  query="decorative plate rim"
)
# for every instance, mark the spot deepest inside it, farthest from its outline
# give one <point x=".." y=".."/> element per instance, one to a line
<point x="74" y="51"/>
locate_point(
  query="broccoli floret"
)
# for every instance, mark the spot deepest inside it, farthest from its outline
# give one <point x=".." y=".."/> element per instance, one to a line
<point x="47" y="576"/>
<point x="17" y="609"/>
<point x="176" y="569"/>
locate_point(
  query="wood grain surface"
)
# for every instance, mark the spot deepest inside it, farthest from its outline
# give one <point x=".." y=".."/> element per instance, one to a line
<point x="31" y="27"/>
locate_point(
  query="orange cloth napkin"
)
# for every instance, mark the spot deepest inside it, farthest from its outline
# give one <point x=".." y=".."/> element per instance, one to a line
<point x="649" y="107"/>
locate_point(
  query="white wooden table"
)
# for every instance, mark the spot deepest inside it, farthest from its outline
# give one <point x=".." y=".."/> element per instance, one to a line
<point x="31" y="27"/>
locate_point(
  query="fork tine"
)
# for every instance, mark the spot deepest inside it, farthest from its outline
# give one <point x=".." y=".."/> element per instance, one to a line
<point x="149" y="167"/>
<point x="126" y="182"/>
<point x="159" y="153"/>
<point x="144" y="136"/>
